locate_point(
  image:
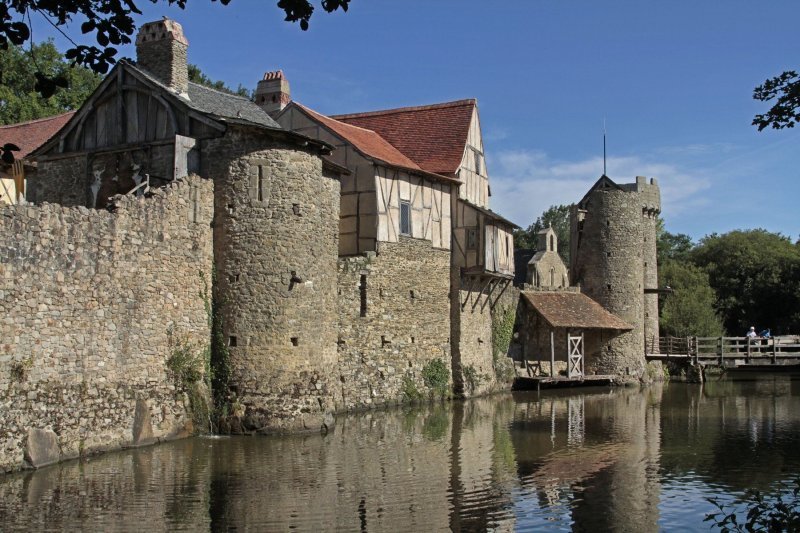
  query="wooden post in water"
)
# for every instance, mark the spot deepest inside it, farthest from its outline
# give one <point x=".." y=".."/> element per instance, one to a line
<point x="721" y="349"/>
<point x="552" y="354"/>
<point x="747" y="359"/>
<point x="774" y="352"/>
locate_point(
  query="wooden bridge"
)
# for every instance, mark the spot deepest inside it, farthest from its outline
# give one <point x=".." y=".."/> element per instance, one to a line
<point x="727" y="352"/>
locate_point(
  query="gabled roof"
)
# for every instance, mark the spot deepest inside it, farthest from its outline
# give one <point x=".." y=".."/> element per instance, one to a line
<point x="219" y="107"/>
<point x="365" y="141"/>
<point x="30" y="135"/>
<point x="370" y="144"/>
<point x="488" y="213"/>
<point x="604" y="183"/>
<point x="434" y="136"/>
<point x="216" y="103"/>
<point x="562" y="309"/>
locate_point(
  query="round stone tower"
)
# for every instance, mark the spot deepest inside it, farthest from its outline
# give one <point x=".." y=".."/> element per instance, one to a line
<point x="276" y="248"/>
<point x="614" y="260"/>
<point x="650" y="196"/>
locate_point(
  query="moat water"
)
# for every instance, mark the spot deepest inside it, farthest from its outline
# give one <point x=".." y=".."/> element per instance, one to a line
<point x="580" y="460"/>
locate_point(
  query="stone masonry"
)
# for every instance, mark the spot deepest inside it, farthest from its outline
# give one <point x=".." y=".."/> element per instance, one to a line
<point x="92" y="305"/>
<point x="276" y="247"/>
<point x="613" y="260"/>
<point x="394" y="318"/>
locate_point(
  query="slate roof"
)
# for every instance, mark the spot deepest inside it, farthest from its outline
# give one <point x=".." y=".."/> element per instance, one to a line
<point x="220" y="104"/>
<point x="30" y="135"/>
<point x="434" y="136"/>
<point x="563" y="309"/>
<point x="217" y="103"/>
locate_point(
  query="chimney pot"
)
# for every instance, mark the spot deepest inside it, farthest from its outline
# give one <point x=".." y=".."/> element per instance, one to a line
<point x="273" y="93"/>
<point x="161" y="50"/>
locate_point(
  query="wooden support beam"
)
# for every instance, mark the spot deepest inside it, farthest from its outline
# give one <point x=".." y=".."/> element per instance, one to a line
<point x="552" y="354"/>
<point x="469" y="292"/>
<point x="505" y="286"/>
<point x="483" y="288"/>
<point x="492" y="287"/>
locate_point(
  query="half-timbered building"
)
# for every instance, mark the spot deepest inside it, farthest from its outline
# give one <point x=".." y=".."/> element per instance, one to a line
<point x="420" y="173"/>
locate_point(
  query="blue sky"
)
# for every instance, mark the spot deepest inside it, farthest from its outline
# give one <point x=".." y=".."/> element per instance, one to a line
<point x="673" y="81"/>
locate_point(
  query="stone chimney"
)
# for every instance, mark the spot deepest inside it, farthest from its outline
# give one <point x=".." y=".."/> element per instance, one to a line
<point x="161" y="50"/>
<point x="272" y="93"/>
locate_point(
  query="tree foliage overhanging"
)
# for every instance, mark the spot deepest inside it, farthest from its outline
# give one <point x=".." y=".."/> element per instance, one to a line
<point x="109" y="22"/>
<point x="785" y="111"/>
<point x="19" y="100"/>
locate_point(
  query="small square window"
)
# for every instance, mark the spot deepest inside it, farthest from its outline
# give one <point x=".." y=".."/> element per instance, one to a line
<point x="405" y="218"/>
<point x="472" y="238"/>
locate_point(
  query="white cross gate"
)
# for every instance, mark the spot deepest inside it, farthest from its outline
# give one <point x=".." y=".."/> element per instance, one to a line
<point x="574" y="355"/>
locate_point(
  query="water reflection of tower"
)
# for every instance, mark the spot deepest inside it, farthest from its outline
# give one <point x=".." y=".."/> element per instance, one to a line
<point x="607" y="483"/>
<point x="625" y="495"/>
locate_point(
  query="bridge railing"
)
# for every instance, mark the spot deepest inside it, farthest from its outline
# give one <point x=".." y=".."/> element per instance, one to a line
<point x="722" y="349"/>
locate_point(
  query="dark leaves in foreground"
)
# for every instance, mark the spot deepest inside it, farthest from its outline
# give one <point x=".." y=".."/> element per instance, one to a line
<point x="785" y="111"/>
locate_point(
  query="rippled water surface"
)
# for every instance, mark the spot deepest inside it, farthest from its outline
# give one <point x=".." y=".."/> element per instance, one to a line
<point x="582" y="460"/>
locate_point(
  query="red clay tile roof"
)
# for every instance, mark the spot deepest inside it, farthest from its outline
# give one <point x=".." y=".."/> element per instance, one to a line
<point x="434" y="136"/>
<point x="32" y="134"/>
<point x="367" y="142"/>
<point x="573" y="310"/>
<point x="370" y="144"/>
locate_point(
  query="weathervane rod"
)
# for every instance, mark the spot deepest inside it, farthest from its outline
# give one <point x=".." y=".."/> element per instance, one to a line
<point x="604" y="146"/>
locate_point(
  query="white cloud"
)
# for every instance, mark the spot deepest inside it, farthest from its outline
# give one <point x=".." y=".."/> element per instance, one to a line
<point x="525" y="183"/>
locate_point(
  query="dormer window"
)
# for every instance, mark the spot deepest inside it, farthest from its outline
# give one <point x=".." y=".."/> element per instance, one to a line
<point x="405" y="218"/>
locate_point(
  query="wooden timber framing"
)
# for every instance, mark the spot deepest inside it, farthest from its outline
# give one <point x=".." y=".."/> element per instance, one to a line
<point x="129" y="109"/>
<point x="491" y="247"/>
<point x="371" y="195"/>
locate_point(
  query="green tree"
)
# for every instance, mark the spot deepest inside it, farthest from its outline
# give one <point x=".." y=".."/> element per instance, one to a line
<point x="19" y="100"/>
<point x="556" y="216"/>
<point x="110" y="22"/>
<point x="689" y="310"/>
<point x="674" y="246"/>
<point x="756" y="275"/>
<point x="785" y="111"/>
<point x="198" y="76"/>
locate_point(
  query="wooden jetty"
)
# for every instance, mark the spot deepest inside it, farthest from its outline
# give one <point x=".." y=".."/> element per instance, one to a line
<point x="728" y="352"/>
<point x="551" y="382"/>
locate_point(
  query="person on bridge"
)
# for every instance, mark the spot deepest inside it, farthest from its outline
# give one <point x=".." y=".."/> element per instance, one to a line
<point x="766" y="334"/>
<point x="752" y="333"/>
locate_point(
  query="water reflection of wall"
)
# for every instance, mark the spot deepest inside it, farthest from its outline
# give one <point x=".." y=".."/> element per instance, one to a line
<point x="150" y="489"/>
<point x="593" y="454"/>
<point x="445" y="467"/>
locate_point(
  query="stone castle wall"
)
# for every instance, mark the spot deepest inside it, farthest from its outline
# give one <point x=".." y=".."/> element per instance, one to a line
<point x="394" y="318"/>
<point x="92" y="305"/>
<point x="65" y="179"/>
<point x="276" y="248"/>
<point x="472" y="317"/>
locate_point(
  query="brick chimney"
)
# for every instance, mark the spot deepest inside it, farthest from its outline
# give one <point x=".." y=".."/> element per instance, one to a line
<point x="272" y="93"/>
<point x="161" y="50"/>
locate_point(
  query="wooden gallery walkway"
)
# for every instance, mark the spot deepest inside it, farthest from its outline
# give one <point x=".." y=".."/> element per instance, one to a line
<point x="728" y="352"/>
